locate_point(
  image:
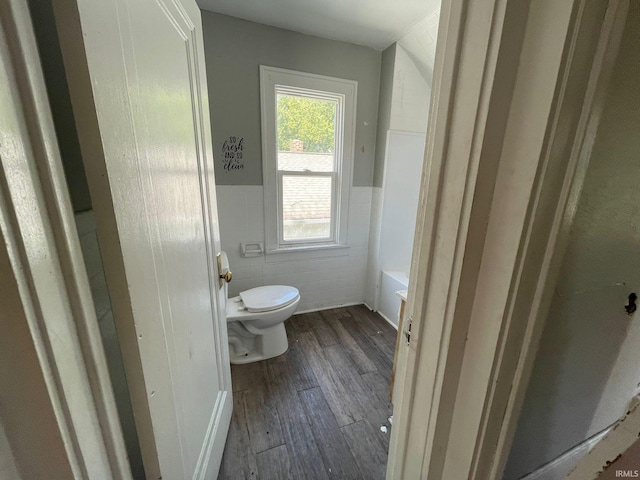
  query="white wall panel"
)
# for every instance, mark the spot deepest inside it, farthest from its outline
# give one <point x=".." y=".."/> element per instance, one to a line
<point x="323" y="282"/>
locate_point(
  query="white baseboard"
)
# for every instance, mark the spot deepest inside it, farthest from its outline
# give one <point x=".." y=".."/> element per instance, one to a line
<point x="348" y="305"/>
<point x="342" y="305"/>
<point x="388" y="321"/>
<point x="395" y="327"/>
<point x="368" y="306"/>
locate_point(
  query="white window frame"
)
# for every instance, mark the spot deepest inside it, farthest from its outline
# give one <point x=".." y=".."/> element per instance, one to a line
<point x="277" y="80"/>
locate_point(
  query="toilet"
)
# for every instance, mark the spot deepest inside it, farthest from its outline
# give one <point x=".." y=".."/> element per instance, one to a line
<point x="255" y="320"/>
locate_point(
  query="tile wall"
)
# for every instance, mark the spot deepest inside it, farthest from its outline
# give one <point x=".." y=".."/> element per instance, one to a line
<point x="324" y="282"/>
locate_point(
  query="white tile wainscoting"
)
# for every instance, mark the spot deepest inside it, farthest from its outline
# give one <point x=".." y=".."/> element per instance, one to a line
<point x="324" y="282"/>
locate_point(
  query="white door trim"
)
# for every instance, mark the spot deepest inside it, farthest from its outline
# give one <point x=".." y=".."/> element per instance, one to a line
<point x="38" y="226"/>
<point x="552" y="213"/>
<point x="513" y="112"/>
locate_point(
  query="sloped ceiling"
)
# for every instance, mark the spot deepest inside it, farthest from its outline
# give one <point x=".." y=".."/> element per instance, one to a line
<point x="420" y="45"/>
<point x="372" y="23"/>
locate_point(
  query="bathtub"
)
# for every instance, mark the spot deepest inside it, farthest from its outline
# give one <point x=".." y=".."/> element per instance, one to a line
<point x="388" y="301"/>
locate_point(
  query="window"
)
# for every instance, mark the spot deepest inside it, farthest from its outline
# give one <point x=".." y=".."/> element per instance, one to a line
<point x="308" y="126"/>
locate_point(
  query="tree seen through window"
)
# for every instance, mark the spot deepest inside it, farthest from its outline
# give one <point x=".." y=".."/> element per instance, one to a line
<point x="309" y="120"/>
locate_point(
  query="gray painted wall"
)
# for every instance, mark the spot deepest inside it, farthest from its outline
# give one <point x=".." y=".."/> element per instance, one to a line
<point x="384" y="111"/>
<point x="588" y="366"/>
<point x="234" y="51"/>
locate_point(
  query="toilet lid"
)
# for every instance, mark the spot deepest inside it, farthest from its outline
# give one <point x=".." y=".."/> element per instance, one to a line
<point x="271" y="297"/>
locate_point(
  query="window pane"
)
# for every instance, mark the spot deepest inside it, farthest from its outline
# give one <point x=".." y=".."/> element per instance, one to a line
<point x="306" y="133"/>
<point x="306" y="207"/>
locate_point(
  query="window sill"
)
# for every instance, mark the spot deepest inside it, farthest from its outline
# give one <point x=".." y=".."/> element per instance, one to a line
<point x="306" y="252"/>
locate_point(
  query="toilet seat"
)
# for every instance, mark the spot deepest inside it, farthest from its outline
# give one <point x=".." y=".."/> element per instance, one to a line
<point x="255" y="319"/>
<point x="269" y="298"/>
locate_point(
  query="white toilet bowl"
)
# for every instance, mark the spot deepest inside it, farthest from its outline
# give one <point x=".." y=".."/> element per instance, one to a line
<point x="255" y="321"/>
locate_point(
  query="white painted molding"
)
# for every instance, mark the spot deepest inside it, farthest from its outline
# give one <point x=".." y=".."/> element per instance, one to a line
<point x="384" y="317"/>
<point x="345" y="93"/>
<point x="342" y="305"/>
<point x="38" y="227"/>
<point x="559" y="188"/>
<point x="504" y="117"/>
<point x="457" y="119"/>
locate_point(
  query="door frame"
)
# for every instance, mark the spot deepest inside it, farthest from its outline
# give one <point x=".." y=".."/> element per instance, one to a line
<point x="516" y="102"/>
<point x="43" y="248"/>
<point x="462" y="377"/>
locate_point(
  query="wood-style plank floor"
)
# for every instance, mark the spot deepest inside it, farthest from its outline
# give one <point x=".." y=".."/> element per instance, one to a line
<point x="316" y="411"/>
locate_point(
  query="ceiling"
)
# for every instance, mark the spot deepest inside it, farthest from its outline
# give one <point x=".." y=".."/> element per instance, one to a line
<point x="373" y="23"/>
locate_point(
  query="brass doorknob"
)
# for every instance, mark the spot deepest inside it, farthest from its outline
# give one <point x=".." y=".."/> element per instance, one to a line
<point x="226" y="276"/>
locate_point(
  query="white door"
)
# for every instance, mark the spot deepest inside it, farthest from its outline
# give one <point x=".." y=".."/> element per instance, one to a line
<point x="137" y="78"/>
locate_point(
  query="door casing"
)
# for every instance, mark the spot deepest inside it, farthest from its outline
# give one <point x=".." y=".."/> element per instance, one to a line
<point x="451" y="177"/>
<point x="518" y="89"/>
<point x="57" y="405"/>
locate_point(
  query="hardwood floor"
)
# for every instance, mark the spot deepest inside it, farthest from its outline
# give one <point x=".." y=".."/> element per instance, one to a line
<point x="316" y="411"/>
